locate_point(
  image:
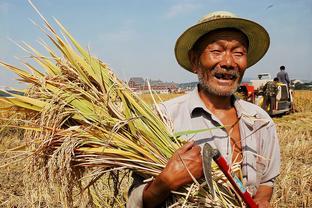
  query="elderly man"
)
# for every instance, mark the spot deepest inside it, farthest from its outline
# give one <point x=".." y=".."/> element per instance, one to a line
<point x="218" y="49"/>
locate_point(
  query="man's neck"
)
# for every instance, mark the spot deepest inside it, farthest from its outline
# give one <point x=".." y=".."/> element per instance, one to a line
<point x="215" y="102"/>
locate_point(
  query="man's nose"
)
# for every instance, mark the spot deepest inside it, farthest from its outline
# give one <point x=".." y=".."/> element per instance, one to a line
<point x="228" y="61"/>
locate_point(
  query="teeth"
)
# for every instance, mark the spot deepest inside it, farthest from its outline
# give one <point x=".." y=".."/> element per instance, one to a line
<point x="229" y="76"/>
<point x="225" y="76"/>
<point x="219" y="76"/>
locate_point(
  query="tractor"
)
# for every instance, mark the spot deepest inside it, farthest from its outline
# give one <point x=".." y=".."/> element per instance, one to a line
<point x="252" y="92"/>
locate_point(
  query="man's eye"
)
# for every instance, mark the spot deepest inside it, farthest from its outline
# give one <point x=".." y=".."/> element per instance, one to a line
<point x="238" y="53"/>
<point x="215" y="51"/>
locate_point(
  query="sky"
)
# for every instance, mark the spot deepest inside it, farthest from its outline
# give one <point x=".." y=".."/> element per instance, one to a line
<point x="137" y="37"/>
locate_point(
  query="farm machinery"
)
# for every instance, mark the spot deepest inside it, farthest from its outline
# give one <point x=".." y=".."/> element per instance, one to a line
<point x="253" y="92"/>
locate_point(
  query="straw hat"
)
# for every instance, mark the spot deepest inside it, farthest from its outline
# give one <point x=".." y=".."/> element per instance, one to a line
<point x="258" y="37"/>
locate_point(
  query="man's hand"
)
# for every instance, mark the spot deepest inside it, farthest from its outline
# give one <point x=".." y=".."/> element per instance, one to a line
<point x="174" y="174"/>
<point x="263" y="196"/>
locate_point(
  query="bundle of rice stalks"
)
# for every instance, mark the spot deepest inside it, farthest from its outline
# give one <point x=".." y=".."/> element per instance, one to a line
<point x="83" y="122"/>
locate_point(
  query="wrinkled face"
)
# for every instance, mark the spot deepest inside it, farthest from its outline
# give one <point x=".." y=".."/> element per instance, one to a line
<point x="220" y="60"/>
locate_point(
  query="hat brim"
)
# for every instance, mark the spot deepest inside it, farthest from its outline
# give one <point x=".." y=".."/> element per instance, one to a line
<point x="258" y="38"/>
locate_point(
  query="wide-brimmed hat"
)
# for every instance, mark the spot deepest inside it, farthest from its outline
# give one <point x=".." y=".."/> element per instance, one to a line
<point x="258" y="37"/>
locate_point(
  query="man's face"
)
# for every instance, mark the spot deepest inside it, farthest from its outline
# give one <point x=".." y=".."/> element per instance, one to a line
<point x="220" y="61"/>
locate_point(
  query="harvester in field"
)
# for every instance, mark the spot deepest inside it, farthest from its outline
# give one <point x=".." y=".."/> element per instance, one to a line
<point x="252" y="91"/>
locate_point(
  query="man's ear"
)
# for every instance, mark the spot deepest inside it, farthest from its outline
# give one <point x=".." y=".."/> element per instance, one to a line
<point x="194" y="60"/>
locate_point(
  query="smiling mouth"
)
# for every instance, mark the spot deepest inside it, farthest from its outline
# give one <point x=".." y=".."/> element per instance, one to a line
<point x="225" y="76"/>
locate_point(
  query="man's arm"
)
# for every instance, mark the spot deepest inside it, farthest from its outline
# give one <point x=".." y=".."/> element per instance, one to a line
<point x="174" y="175"/>
<point x="287" y="78"/>
<point x="263" y="196"/>
<point x="270" y="150"/>
<point x="264" y="87"/>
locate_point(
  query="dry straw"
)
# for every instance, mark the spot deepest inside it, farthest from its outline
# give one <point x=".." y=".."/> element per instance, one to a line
<point x="84" y="122"/>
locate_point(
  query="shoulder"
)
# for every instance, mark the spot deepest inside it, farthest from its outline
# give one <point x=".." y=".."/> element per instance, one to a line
<point x="174" y="104"/>
<point x="251" y="108"/>
<point x="257" y="118"/>
<point x="177" y="100"/>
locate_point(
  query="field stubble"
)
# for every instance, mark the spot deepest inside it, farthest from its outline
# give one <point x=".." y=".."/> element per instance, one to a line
<point x="293" y="187"/>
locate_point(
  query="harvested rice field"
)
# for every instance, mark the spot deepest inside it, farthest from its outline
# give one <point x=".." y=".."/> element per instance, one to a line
<point x="293" y="187"/>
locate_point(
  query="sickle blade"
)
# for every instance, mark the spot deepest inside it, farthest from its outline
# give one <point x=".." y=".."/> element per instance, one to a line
<point x="207" y="158"/>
